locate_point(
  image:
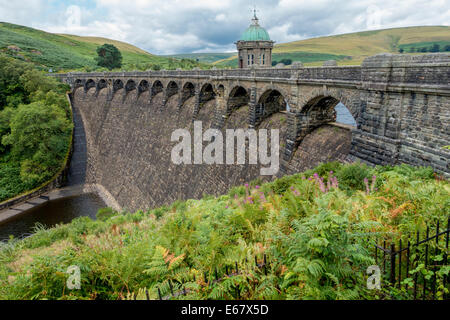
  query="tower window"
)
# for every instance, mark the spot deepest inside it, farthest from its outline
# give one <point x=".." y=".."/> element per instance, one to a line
<point x="253" y="59"/>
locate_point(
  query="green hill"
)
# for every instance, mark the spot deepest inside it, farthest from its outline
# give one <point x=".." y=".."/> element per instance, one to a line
<point x="203" y="57"/>
<point x="353" y="48"/>
<point x="68" y="52"/>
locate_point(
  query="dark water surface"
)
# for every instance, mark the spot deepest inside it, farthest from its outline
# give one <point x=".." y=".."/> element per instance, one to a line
<point x="51" y="213"/>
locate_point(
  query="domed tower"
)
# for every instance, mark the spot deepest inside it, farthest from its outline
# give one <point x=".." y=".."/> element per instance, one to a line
<point x="255" y="46"/>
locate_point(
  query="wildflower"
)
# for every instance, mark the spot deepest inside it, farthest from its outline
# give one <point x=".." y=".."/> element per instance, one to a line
<point x="320" y="183"/>
<point x="374" y="180"/>
<point x="257" y="187"/>
<point x="366" y="183"/>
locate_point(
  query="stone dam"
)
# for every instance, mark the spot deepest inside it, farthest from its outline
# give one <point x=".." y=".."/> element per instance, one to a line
<point x="124" y="122"/>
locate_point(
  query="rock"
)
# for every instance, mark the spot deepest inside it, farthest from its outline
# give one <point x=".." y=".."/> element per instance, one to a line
<point x="297" y="65"/>
<point x="330" y="63"/>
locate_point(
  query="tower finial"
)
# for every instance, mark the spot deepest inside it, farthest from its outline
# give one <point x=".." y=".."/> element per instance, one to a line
<point x="255" y="20"/>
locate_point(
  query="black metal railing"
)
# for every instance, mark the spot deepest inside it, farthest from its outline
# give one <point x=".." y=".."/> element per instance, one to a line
<point x="418" y="260"/>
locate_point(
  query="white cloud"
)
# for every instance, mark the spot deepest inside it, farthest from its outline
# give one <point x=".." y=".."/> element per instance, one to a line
<point x="173" y="26"/>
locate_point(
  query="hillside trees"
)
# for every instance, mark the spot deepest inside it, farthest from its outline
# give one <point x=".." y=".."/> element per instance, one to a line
<point x="35" y="127"/>
<point x="109" y="57"/>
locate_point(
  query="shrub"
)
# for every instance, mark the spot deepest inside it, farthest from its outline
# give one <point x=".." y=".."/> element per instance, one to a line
<point x="104" y="214"/>
<point x="352" y="177"/>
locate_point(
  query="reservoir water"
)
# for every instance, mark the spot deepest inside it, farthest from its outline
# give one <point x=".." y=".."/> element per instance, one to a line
<point x="344" y="116"/>
<point x="51" y="213"/>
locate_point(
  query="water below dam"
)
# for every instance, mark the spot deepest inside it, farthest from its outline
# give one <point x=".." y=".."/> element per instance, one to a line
<point x="51" y="213"/>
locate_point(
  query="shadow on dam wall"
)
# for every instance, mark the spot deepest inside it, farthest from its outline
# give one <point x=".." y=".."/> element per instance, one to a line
<point x="78" y="163"/>
<point x="126" y="149"/>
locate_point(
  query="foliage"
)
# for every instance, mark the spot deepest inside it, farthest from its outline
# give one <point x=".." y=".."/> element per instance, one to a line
<point x="35" y="127"/>
<point x="67" y="52"/>
<point x="108" y="56"/>
<point x="315" y="242"/>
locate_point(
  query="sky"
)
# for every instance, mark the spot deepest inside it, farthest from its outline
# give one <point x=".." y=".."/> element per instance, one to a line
<point x="184" y="26"/>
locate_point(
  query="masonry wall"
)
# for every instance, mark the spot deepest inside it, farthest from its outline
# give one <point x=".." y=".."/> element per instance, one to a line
<point x="129" y="148"/>
<point x="400" y="103"/>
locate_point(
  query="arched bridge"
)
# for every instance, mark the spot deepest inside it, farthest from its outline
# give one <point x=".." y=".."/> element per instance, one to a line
<point x="400" y="103"/>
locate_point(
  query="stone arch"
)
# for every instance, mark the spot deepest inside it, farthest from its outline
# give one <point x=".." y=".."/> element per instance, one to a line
<point x="267" y="88"/>
<point x="89" y="84"/>
<point x="171" y="89"/>
<point x="77" y="84"/>
<point x="157" y="87"/>
<point x="204" y="111"/>
<point x="220" y="91"/>
<point x="187" y="92"/>
<point x="144" y="86"/>
<point x="270" y="102"/>
<point x="316" y="114"/>
<point x="130" y="86"/>
<point x="321" y="109"/>
<point x="117" y="85"/>
<point x="207" y="93"/>
<point x="350" y="98"/>
<point x="238" y="97"/>
<point x="102" y="84"/>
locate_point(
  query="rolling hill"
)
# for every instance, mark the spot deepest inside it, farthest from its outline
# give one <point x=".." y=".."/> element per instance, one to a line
<point x="352" y="48"/>
<point x="68" y="52"/>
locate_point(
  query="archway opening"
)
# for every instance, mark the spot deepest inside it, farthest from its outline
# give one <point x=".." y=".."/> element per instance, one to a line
<point x="157" y="88"/>
<point x="237" y="112"/>
<point x="130" y="86"/>
<point x="117" y="85"/>
<point x="187" y="92"/>
<point x="239" y="97"/>
<point x="271" y="102"/>
<point x="77" y="84"/>
<point x="89" y="84"/>
<point x="102" y="84"/>
<point x="172" y="89"/>
<point x="207" y="93"/>
<point x="326" y="109"/>
<point x="322" y="137"/>
<point x="344" y="116"/>
<point x="207" y="107"/>
<point x="143" y="86"/>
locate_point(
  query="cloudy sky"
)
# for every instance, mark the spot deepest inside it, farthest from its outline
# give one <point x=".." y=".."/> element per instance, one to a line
<point x="180" y="26"/>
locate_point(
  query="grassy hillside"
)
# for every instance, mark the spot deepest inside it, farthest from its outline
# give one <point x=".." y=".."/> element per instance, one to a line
<point x="317" y="230"/>
<point x="352" y="48"/>
<point x="67" y="52"/>
<point x="203" y="57"/>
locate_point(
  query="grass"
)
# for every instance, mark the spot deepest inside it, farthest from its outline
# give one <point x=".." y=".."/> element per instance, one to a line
<point x="352" y="48"/>
<point x="203" y="57"/>
<point x="314" y="236"/>
<point x="68" y="52"/>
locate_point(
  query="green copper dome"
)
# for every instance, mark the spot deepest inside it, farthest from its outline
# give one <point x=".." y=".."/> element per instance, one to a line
<point x="255" y="32"/>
